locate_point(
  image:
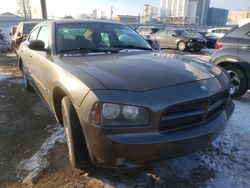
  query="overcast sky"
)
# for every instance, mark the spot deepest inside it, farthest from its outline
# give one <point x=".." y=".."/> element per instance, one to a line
<point x="59" y="8"/>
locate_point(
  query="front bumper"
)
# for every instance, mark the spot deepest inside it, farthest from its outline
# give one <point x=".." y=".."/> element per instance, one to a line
<point x="195" y="45"/>
<point x="128" y="150"/>
<point x="132" y="146"/>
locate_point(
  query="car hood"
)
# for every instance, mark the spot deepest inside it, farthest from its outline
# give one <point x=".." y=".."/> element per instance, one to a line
<point x="137" y="71"/>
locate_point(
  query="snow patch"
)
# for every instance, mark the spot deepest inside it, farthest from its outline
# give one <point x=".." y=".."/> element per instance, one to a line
<point x="229" y="155"/>
<point x="29" y="169"/>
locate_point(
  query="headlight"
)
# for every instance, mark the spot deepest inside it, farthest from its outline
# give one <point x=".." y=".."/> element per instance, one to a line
<point x="109" y="114"/>
<point x="111" y="111"/>
<point x="130" y="112"/>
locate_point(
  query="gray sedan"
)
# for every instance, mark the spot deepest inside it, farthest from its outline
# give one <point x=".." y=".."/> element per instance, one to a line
<point x="121" y="103"/>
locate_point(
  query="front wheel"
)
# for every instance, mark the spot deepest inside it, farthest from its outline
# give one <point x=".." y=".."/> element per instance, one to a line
<point x="78" y="153"/>
<point x="181" y="46"/>
<point x="238" y="81"/>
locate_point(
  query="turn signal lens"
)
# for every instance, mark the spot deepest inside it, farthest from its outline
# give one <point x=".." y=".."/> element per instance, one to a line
<point x="95" y="114"/>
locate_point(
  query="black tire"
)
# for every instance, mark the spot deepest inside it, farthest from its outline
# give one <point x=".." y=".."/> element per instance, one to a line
<point x="181" y="46"/>
<point x="78" y="153"/>
<point x="238" y="81"/>
<point x="26" y="83"/>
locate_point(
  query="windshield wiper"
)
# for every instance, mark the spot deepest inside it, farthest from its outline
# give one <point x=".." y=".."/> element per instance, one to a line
<point x="132" y="47"/>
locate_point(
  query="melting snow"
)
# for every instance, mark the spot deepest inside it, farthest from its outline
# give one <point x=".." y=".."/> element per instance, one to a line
<point x="29" y="169"/>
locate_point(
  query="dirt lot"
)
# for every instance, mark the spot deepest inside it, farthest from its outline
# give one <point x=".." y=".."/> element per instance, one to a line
<point x="33" y="150"/>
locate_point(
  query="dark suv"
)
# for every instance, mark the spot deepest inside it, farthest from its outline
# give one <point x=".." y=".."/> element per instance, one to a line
<point x="233" y="54"/>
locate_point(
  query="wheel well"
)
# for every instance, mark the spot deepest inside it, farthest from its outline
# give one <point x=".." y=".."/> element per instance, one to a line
<point x="58" y="95"/>
<point x="223" y="64"/>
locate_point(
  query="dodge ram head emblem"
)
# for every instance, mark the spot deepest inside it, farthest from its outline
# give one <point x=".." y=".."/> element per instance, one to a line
<point x="204" y="88"/>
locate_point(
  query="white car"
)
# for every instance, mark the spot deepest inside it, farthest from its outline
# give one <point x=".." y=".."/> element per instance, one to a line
<point x="219" y="32"/>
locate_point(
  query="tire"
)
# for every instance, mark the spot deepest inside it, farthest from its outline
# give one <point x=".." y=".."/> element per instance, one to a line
<point x="78" y="153"/>
<point x="181" y="46"/>
<point x="26" y="83"/>
<point x="238" y="81"/>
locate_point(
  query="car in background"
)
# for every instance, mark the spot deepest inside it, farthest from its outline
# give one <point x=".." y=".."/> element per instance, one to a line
<point x="209" y="37"/>
<point x="123" y="104"/>
<point x="219" y="32"/>
<point x="233" y="54"/>
<point x="147" y="31"/>
<point x="21" y="33"/>
<point x="178" y="39"/>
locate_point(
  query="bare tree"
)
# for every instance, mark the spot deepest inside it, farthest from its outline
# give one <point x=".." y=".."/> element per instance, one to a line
<point x="24" y="8"/>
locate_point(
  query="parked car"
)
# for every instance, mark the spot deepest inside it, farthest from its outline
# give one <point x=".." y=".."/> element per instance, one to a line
<point x="219" y="32"/>
<point x="179" y="39"/>
<point x="21" y="33"/>
<point x="209" y="37"/>
<point x="233" y="54"/>
<point x="147" y="31"/>
<point x="121" y="102"/>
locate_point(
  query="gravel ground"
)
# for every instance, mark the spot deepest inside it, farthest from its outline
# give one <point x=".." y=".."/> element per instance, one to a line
<point x="34" y="153"/>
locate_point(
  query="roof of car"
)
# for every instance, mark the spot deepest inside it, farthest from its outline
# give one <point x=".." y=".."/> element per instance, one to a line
<point x="80" y="21"/>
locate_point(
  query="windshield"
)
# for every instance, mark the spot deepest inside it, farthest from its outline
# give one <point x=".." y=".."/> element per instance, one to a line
<point x="183" y="33"/>
<point x="97" y="37"/>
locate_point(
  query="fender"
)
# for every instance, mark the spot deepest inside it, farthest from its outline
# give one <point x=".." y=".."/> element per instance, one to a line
<point x="228" y="59"/>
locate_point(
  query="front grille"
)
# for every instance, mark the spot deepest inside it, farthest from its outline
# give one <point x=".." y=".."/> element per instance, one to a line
<point x="192" y="113"/>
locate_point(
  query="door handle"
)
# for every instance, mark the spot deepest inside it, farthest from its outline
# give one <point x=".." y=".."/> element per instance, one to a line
<point x="30" y="56"/>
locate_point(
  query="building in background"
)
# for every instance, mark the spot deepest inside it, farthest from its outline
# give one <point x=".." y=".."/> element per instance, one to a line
<point x="202" y="12"/>
<point x="127" y="19"/>
<point x="178" y="11"/>
<point x="237" y="16"/>
<point x="150" y="14"/>
<point x="217" y="17"/>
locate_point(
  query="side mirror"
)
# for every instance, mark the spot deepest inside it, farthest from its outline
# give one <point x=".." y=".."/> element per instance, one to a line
<point x="10" y="34"/>
<point x="37" y="45"/>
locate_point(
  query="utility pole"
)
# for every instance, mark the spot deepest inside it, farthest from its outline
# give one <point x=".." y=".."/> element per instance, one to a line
<point x="111" y="12"/>
<point x="44" y="9"/>
<point x="24" y="11"/>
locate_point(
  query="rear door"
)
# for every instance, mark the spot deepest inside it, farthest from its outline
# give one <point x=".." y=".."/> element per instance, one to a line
<point x="26" y="54"/>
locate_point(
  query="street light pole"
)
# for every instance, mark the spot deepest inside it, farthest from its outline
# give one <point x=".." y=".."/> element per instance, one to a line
<point x="44" y="9"/>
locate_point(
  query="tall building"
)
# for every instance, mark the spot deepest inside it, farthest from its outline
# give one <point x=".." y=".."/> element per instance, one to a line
<point x="150" y="11"/>
<point x="217" y="17"/>
<point x="202" y="11"/>
<point x="237" y="16"/>
<point x="184" y="10"/>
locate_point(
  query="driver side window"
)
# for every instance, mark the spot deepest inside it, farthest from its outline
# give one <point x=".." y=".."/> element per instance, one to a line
<point x="44" y="35"/>
<point x="33" y="34"/>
